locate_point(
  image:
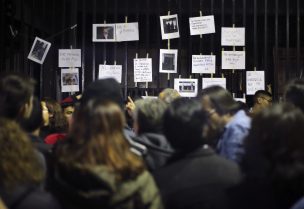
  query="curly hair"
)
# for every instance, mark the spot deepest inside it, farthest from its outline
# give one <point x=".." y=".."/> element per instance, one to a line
<point x="19" y="163"/>
<point x="98" y="139"/>
<point x="274" y="151"/>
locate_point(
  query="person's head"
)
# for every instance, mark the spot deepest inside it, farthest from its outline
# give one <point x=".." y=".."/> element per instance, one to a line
<point x="19" y="163"/>
<point x="184" y="123"/>
<point x="35" y="121"/>
<point x="68" y="107"/>
<point x="57" y="121"/>
<point x="294" y="93"/>
<point x="274" y="148"/>
<point x="262" y="98"/>
<point x="148" y="116"/>
<point x="168" y="95"/>
<point x="16" y="96"/>
<point x="97" y="139"/>
<point x="104" y="90"/>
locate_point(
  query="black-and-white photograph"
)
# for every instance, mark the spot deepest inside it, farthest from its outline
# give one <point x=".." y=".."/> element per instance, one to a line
<point x="103" y="32"/>
<point x="169" y="26"/>
<point x="70" y="80"/>
<point x="186" y="87"/>
<point x="39" y="50"/>
<point x="168" y="61"/>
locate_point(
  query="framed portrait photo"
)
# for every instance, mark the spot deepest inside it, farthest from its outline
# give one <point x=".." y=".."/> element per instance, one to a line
<point x="168" y="61"/>
<point x="39" y="50"/>
<point x="104" y="33"/>
<point x="169" y="26"/>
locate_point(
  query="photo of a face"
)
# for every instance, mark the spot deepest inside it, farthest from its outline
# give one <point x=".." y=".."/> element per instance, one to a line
<point x="69" y="79"/>
<point x="105" y="32"/>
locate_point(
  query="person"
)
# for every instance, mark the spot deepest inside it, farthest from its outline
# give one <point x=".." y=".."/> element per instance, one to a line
<point x="95" y="167"/>
<point x="261" y="100"/>
<point x="58" y="125"/>
<point x="105" y="33"/>
<point x="294" y="93"/>
<point x="2" y="206"/>
<point x="168" y="95"/>
<point x="148" y="126"/>
<point x="68" y="107"/>
<point x="195" y="177"/>
<point x="16" y="96"/>
<point x="21" y="171"/>
<point x="273" y="164"/>
<point x="229" y="125"/>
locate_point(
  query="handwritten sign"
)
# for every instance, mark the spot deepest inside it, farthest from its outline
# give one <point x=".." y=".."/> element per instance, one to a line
<point x="110" y="71"/>
<point x="233" y="36"/>
<point x="255" y="80"/>
<point x="69" y="57"/>
<point x="201" y="25"/>
<point x="214" y="82"/>
<point x="203" y="64"/>
<point x="143" y="70"/>
<point x="70" y="80"/>
<point x="233" y="60"/>
<point x="127" y="31"/>
<point x="186" y="87"/>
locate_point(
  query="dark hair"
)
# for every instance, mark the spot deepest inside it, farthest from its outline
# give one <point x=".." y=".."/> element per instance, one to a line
<point x="149" y="115"/>
<point x="15" y="92"/>
<point x="294" y="93"/>
<point x="105" y="90"/>
<point x="183" y="124"/>
<point x="221" y="100"/>
<point x="260" y="93"/>
<point x="19" y="163"/>
<point x="58" y="123"/>
<point x="35" y="121"/>
<point x="98" y="139"/>
<point x="274" y="150"/>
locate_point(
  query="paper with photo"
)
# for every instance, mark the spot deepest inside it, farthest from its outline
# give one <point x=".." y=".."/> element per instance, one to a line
<point x="69" y="57"/>
<point x="39" y="50"/>
<point x="255" y="80"/>
<point x="233" y="60"/>
<point x="110" y="71"/>
<point x="169" y="26"/>
<point x="233" y="36"/>
<point x="203" y="64"/>
<point x="207" y="82"/>
<point x="69" y="79"/>
<point x="186" y="87"/>
<point x="168" y="61"/>
<point x="127" y="31"/>
<point x="201" y="25"/>
<point x="143" y="70"/>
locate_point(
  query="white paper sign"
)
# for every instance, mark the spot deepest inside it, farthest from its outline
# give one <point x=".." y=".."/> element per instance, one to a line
<point x="240" y="99"/>
<point x="69" y="80"/>
<point x="233" y="36"/>
<point x="127" y="31"/>
<point x="39" y="50"/>
<point x="201" y="25"/>
<point x="149" y="97"/>
<point x="143" y="70"/>
<point x="255" y="80"/>
<point x="233" y="60"/>
<point x="203" y="64"/>
<point x="186" y="87"/>
<point x="168" y="61"/>
<point x="110" y="71"/>
<point x="169" y="26"/>
<point x="214" y="82"/>
<point x="69" y="57"/>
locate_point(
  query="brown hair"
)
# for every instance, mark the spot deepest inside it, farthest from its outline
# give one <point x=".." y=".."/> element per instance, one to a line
<point x="18" y="161"/>
<point x="97" y="138"/>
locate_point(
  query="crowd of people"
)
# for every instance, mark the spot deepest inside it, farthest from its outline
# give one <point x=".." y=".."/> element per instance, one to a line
<point x="209" y="152"/>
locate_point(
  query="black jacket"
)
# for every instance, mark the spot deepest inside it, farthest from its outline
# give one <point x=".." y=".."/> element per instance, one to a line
<point x="198" y="179"/>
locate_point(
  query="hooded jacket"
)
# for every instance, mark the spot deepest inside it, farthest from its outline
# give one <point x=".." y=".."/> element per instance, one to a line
<point x="80" y="187"/>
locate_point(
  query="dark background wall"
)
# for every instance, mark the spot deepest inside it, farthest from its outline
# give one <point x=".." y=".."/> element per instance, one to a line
<point x="274" y="39"/>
